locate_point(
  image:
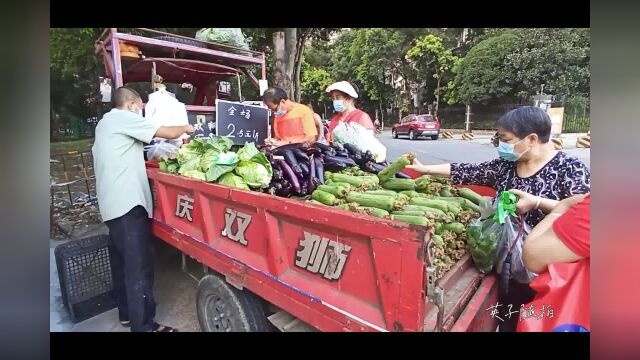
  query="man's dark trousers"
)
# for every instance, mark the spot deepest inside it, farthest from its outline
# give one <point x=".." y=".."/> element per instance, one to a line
<point x="131" y="257"/>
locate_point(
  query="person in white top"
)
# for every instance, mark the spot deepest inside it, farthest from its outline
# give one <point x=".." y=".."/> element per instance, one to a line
<point x="165" y="110"/>
<point x="126" y="205"/>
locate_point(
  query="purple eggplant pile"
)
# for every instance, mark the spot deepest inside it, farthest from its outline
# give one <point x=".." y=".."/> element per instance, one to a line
<point x="298" y="169"/>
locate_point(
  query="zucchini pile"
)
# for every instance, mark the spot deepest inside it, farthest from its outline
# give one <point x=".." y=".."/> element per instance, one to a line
<point x="427" y="201"/>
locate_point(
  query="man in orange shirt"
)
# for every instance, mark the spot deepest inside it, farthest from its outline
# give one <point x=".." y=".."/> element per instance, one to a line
<point x="292" y="123"/>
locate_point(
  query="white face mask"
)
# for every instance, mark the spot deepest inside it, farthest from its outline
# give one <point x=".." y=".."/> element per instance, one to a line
<point x="139" y="111"/>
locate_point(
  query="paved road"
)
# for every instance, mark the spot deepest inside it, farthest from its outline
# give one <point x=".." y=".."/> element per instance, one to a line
<point x="444" y="151"/>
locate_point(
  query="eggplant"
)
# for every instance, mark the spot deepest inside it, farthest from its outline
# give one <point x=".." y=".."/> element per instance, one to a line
<point x="285" y="191"/>
<point x="274" y="187"/>
<point x="280" y="150"/>
<point x="402" y="175"/>
<point x="277" y="173"/>
<point x="314" y="151"/>
<point x="345" y="160"/>
<point x="369" y="167"/>
<point x="378" y="167"/>
<point x="337" y="147"/>
<point x="289" y="175"/>
<point x="304" y="189"/>
<point x="319" y="170"/>
<point x="325" y="148"/>
<point x="305" y="170"/>
<point x="352" y="149"/>
<point x="342" y="154"/>
<point x="368" y="155"/>
<point x="291" y="160"/>
<point x="334" y="166"/>
<point x="300" y="155"/>
<point x="312" y="174"/>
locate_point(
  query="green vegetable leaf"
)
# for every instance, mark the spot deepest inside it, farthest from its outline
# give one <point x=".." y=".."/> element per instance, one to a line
<point x="255" y="174"/>
<point x="220" y="143"/>
<point x="248" y="151"/>
<point x="207" y="159"/>
<point x="235" y="181"/>
<point x="195" y="174"/>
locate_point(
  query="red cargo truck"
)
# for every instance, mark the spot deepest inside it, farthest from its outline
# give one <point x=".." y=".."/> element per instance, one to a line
<point x="295" y="266"/>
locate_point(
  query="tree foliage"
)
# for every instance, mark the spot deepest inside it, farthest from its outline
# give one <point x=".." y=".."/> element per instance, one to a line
<point x="514" y="63"/>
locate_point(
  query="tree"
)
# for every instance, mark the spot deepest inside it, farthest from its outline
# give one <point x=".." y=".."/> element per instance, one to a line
<point x="435" y="59"/>
<point x="314" y="82"/>
<point x="483" y="74"/>
<point x="74" y="71"/>
<point x="558" y="58"/>
<point x="514" y="63"/>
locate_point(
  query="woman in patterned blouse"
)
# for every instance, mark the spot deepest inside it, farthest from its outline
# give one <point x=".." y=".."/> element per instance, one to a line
<point x="529" y="166"/>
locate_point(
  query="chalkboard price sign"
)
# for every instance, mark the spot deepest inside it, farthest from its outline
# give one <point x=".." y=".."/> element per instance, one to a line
<point x="241" y="122"/>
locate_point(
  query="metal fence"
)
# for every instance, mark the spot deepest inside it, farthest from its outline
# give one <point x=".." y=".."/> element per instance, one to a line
<point x="576" y="114"/>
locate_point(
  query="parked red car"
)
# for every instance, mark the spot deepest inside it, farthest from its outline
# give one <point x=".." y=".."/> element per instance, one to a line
<point x="415" y="126"/>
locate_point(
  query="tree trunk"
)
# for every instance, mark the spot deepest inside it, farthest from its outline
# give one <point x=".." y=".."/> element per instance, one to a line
<point x="438" y="95"/>
<point x="279" y="58"/>
<point x="53" y="121"/>
<point x="407" y="89"/>
<point x="290" y="42"/>
<point x="302" y="38"/>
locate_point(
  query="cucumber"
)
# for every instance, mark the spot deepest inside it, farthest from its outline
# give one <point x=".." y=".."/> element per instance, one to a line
<point x="408" y="212"/>
<point x="471" y="195"/>
<point x="399" y="184"/>
<point x="437" y="204"/>
<point x="324" y="197"/>
<point x="338" y="191"/>
<point x="382" y="192"/>
<point x="415" y="220"/>
<point x="456" y="227"/>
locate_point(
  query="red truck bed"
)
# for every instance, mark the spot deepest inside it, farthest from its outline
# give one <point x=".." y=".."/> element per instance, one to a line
<point x="332" y="269"/>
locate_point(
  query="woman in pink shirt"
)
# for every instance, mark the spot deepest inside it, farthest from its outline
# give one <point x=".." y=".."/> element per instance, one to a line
<point x="343" y="95"/>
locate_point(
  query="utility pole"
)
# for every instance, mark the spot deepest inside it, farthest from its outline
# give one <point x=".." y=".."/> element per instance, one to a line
<point x="467" y="124"/>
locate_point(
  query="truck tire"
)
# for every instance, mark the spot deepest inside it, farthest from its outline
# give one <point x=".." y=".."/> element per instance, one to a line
<point x="181" y="41"/>
<point x="223" y="308"/>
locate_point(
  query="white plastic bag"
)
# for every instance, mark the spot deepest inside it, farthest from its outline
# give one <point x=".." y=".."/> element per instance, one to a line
<point x="358" y="135"/>
<point x="160" y="149"/>
<point x="165" y="110"/>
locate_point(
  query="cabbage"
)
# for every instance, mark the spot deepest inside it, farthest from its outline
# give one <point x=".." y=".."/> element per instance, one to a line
<point x="220" y="143"/>
<point x="221" y="163"/>
<point x="173" y="168"/>
<point x="248" y="151"/>
<point x="254" y="166"/>
<point x="189" y="165"/>
<point x="230" y="179"/>
<point x="186" y="154"/>
<point x="228" y="36"/>
<point x="197" y="145"/>
<point x="195" y="174"/>
<point x="215" y="171"/>
<point x="207" y="159"/>
<point x="256" y="175"/>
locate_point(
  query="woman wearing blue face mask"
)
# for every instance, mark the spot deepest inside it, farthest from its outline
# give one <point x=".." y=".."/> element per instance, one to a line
<point x="528" y="166"/>
<point x="343" y="95"/>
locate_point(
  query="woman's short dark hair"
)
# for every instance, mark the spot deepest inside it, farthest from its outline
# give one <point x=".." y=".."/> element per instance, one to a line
<point x="527" y="120"/>
<point x="274" y="95"/>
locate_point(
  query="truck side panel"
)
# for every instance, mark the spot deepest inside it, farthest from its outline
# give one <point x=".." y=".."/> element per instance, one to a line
<point x="366" y="273"/>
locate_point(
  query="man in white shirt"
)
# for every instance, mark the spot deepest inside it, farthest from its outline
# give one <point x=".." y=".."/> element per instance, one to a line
<point x="126" y="205"/>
